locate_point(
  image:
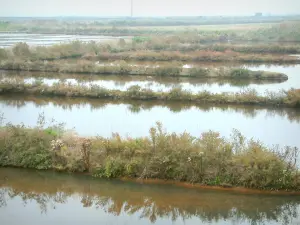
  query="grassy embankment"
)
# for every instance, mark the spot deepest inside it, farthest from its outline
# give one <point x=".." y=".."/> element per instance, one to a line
<point x="121" y="81"/>
<point x="289" y="98"/>
<point x="22" y="57"/>
<point x="124" y="68"/>
<point x="208" y="159"/>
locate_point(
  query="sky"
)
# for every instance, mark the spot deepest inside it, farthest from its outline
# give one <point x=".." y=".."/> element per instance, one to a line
<point x="146" y="7"/>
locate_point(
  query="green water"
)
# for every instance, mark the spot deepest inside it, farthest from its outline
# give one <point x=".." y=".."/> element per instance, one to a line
<point x="38" y="197"/>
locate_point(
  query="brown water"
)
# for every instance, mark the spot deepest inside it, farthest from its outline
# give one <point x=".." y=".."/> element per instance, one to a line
<point x="135" y="118"/>
<point x="37" y="197"/>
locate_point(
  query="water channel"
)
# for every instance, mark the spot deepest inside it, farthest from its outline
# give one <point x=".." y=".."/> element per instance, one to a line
<point x="39" y="197"/>
<point x="98" y="117"/>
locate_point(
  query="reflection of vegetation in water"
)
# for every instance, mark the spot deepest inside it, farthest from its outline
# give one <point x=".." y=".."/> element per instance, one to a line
<point x="122" y="81"/>
<point x="138" y="106"/>
<point x="152" y="202"/>
<point x="3" y="200"/>
<point x="134" y="108"/>
<point x="289" y="98"/>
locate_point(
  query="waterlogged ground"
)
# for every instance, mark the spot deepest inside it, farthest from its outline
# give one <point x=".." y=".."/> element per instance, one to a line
<point x="9" y="39"/>
<point x="165" y="84"/>
<point x="134" y="119"/>
<point x="38" y="197"/>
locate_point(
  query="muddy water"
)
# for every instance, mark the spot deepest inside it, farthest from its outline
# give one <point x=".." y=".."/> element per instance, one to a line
<point x="165" y="84"/>
<point x="9" y="39"/>
<point x="36" y="197"/>
<point x="134" y="119"/>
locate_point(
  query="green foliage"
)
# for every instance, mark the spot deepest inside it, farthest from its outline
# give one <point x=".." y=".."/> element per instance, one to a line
<point x="3" y="54"/>
<point x="209" y="159"/>
<point x="240" y="73"/>
<point x="21" y="50"/>
<point x="113" y="168"/>
<point x="25" y="148"/>
<point x="51" y="132"/>
<point x="140" y="39"/>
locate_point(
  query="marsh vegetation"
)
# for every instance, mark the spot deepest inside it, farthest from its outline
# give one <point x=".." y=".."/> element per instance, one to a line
<point x="207" y="159"/>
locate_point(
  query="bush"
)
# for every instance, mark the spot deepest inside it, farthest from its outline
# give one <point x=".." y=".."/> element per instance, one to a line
<point x="293" y="97"/>
<point x="21" y="50"/>
<point x="3" y="54"/>
<point x="140" y="39"/>
<point x="25" y="148"/>
<point x="240" y="73"/>
<point x="209" y="159"/>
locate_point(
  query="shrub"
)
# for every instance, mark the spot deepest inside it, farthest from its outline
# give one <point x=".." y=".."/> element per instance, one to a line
<point x="140" y="39"/>
<point x="21" y="50"/>
<point x="209" y="159"/>
<point x="3" y="54"/>
<point x="240" y="73"/>
<point x="293" y="97"/>
<point x="25" y="148"/>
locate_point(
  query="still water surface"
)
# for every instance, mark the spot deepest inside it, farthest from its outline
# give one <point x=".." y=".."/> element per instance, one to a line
<point x="9" y="39"/>
<point x="134" y="119"/>
<point x="37" y="197"/>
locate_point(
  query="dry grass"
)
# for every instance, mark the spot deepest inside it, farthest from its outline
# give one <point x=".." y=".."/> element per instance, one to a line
<point x="61" y="89"/>
<point x="209" y="159"/>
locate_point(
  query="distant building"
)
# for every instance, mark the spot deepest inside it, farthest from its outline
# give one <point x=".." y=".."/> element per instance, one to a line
<point x="258" y="14"/>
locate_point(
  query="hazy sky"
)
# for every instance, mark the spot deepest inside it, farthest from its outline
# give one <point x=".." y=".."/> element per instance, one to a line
<point x="145" y="7"/>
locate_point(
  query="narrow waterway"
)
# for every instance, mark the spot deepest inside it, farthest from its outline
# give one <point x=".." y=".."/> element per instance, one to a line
<point x="39" y="197"/>
<point x="97" y="117"/>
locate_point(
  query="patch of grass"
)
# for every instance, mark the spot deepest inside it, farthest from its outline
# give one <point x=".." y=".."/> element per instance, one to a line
<point x="140" y="39"/>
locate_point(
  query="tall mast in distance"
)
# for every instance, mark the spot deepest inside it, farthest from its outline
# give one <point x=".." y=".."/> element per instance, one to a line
<point x="131" y="8"/>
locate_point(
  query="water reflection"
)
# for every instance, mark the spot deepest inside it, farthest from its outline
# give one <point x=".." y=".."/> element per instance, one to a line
<point x="135" y="118"/>
<point x="125" y="81"/>
<point x="9" y="39"/>
<point x="136" y="106"/>
<point x="110" y="202"/>
<point x="166" y="83"/>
